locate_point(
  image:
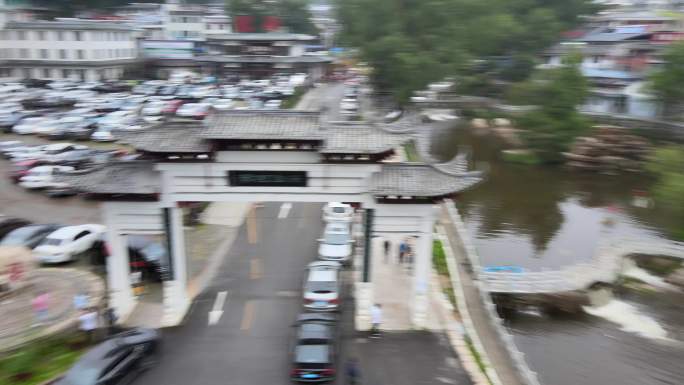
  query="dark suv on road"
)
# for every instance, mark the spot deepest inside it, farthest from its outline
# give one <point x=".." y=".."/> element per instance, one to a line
<point x="315" y="348"/>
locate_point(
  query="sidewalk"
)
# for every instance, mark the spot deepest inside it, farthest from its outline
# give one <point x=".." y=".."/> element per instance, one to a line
<point x="493" y="346"/>
<point x="206" y="247"/>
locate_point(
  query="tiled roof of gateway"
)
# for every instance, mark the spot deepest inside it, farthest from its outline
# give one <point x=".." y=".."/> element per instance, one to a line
<point x="176" y="137"/>
<point x="134" y="177"/>
<point x="267" y="125"/>
<point x="359" y="139"/>
<point x="419" y="180"/>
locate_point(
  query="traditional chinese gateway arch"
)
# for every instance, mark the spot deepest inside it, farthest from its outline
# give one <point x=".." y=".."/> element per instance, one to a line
<point x="268" y="156"/>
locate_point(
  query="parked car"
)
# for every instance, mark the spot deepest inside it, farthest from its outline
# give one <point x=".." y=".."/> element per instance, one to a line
<point x="194" y="110"/>
<point x="117" y="360"/>
<point x="153" y="108"/>
<point x="68" y="126"/>
<point x="338" y="212"/>
<point x="223" y="104"/>
<point x="29" y="125"/>
<point x="74" y="158"/>
<point x="322" y="287"/>
<point x="102" y="135"/>
<point x="336" y="244"/>
<point x="26" y="153"/>
<point x="314" y="356"/>
<point x="9" y="119"/>
<point x="273" y="104"/>
<point x="172" y="106"/>
<point x="20" y="169"/>
<point x="67" y="243"/>
<point x="42" y="177"/>
<point x="8" y="224"/>
<point x="28" y="236"/>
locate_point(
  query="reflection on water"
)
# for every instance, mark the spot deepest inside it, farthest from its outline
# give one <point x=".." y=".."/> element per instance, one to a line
<point x="546" y="217"/>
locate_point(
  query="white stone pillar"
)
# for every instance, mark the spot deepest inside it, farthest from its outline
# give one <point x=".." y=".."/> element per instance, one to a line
<point x="119" y="288"/>
<point x="176" y="299"/>
<point x="422" y="269"/>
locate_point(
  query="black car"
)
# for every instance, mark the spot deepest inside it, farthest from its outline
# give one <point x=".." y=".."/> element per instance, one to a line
<point x="117" y="360"/>
<point x="8" y="224"/>
<point x="314" y="355"/>
<point x="28" y="236"/>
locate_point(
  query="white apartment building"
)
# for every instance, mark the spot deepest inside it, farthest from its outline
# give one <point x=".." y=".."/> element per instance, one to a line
<point x="66" y="49"/>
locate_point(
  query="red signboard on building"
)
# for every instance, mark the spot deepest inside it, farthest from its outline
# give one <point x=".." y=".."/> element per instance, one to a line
<point x="244" y="24"/>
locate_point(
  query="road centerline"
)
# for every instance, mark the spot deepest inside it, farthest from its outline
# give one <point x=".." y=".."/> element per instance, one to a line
<point x="217" y="310"/>
<point x="284" y="210"/>
<point x="247" y="315"/>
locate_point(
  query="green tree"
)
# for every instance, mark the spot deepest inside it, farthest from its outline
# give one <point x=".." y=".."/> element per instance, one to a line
<point x="446" y="35"/>
<point x="667" y="164"/>
<point x="551" y="128"/>
<point x="668" y="83"/>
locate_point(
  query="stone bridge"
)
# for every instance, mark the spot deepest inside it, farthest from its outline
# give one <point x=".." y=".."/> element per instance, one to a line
<point x="605" y="266"/>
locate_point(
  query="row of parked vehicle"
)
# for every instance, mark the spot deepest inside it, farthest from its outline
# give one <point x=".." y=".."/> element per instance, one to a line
<point x="34" y="167"/>
<point x="316" y="346"/>
<point x="51" y="243"/>
<point x="94" y="111"/>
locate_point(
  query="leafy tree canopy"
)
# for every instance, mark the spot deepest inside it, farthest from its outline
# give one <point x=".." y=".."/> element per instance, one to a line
<point x="668" y="165"/>
<point x="668" y="83"/>
<point x="410" y="43"/>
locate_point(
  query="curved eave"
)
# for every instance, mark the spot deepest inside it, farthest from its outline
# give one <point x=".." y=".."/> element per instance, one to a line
<point x="419" y="181"/>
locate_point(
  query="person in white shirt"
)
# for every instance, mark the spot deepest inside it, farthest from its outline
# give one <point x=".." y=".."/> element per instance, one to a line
<point x="376" y="320"/>
<point x="88" y="323"/>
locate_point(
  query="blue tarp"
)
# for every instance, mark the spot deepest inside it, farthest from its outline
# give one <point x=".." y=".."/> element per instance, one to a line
<point x="503" y="269"/>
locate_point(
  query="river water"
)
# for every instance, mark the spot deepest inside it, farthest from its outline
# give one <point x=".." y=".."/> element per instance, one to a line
<point x="539" y="217"/>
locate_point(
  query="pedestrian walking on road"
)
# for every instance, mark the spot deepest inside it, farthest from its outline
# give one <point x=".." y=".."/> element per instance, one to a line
<point x="353" y="372"/>
<point x="87" y="324"/>
<point x="41" y="307"/>
<point x="376" y="320"/>
<point x="387" y="245"/>
<point x="403" y="249"/>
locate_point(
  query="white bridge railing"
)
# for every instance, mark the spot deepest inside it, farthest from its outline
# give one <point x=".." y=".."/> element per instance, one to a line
<point x="605" y="266"/>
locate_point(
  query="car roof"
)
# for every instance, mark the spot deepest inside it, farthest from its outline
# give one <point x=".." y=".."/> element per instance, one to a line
<point x="316" y="317"/>
<point x="336" y="227"/>
<point x="323" y="276"/>
<point x="310" y="354"/>
<point x="69" y="231"/>
<point x="324" y="264"/>
<point x="314" y="331"/>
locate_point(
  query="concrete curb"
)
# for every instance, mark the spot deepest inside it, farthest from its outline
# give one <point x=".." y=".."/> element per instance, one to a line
<point x="470" y="330"/>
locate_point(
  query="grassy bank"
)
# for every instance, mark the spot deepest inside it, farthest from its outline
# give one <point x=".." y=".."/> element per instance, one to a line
<point x="439" y="262"/>
<point x="411" y="152"/>
<point x="40" y="361"/>
<point x="291" y="101"/>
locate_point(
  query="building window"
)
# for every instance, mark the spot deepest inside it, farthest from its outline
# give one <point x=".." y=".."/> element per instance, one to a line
<point x="21" y="35"/>
<point x="43" y="53"/>
<point x="80" y="54"/>
<point x="41" y="35"/>
<point x="78" y="35"/>
<point x="62" y="54"/>
<point x="46" y="73"/>
<point x="26" y="73"/>
<point x="66" y="73"/>
<point x="24" y="53"/>
<point x="60" y="35"/>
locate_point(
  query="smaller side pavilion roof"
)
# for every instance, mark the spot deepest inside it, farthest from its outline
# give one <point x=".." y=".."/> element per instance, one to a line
<point x="359" y="139"/>
<point x="117" y="178"/>
<point x="168" y="137"/>
<point x="420" y="180"/>
<point x="264" y="125"/>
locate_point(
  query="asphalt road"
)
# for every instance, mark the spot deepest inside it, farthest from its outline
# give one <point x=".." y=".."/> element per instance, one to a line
<point x="262" y="275"/>
<point x="250" y="344"/>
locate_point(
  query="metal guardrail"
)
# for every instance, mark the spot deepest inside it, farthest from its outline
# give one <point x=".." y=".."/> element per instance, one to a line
<point x="527" y="375"/>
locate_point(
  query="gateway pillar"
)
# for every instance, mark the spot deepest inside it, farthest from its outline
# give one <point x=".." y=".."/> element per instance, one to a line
<point x="422" y="269"/>
<point x="120" y="292"/>
<point x="176" y="300"/>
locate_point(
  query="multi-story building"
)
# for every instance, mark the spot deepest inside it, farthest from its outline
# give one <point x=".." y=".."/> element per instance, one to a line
<point x="66" y="49"/>
<point x="252" y="55"/>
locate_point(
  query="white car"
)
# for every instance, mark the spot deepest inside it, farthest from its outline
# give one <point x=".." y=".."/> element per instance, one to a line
<point x="42" y="177"/>
<point x="29" y="125"/>
<point x="66" y="243"/>
<point x="102" y="135"/>
<point x="336" y="244"/>
<point x="338" y="212"/>
<point x="193" y="110"/>
<point x="26" y="153"/>
<point x="223" y="104"/>
<point x="153" y="108"/>
<point x="322" y="287"/>
<point x="273" y="104"/>
<point x="48" y="126"/>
